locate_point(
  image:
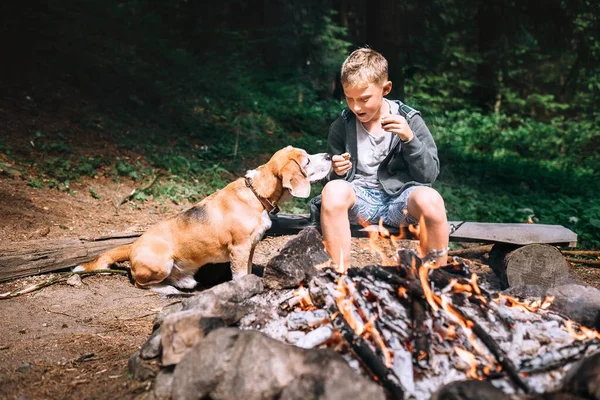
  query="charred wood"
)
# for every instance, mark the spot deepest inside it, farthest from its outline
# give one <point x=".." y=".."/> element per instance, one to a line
<point x="364" y="353"/>
<point x="559" y="357"/>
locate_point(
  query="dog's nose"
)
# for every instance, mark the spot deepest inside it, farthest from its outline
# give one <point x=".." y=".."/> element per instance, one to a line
<point x="328" y="157"/>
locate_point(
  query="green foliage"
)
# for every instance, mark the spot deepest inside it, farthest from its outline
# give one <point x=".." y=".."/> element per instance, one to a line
<point x="559" y="143"/>
<point x="94" y="193"/>
<point x="202" y="95"/>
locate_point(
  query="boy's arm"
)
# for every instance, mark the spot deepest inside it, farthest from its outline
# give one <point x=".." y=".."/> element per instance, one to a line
<point x="420" y="152"/>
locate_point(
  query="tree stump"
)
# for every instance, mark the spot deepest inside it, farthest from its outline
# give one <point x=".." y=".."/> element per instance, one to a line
<point x="532" y="264"/>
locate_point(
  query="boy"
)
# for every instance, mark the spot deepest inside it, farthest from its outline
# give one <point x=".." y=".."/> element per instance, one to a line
<point x="393" y="160"/>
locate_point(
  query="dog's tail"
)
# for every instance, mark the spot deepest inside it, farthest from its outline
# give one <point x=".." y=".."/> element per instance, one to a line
<point x="106" y="259"/>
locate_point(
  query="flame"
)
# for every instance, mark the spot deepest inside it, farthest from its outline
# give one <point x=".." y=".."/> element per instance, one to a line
<point x="583" y="334"/>
<point x="346" y="307"/>
<point x="306" y="302"/>
<point x="523" y="306"/>
<point x="377" y="244"/>
<point x="432" y="299"/>
<point x="473" y="282"/>
<point x="372" y="331"/>
<point x="470" y="359"/>
<point x="354" y="319"/>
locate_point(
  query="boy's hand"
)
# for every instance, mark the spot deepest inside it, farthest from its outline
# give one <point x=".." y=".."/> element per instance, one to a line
<point x="398" y="125"/>
<point x="341" y="163"/>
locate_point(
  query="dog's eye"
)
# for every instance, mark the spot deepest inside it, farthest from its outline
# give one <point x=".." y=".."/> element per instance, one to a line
<point x="308" y="162"/>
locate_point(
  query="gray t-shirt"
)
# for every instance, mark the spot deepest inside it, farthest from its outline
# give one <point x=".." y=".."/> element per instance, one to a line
<point x="371" y="152"/>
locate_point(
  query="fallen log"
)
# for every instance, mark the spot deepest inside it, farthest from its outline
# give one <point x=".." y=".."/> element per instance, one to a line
<point x="40" y="256"/>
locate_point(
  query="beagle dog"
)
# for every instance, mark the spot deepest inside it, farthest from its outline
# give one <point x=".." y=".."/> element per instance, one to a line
<point x="224" y="227"/>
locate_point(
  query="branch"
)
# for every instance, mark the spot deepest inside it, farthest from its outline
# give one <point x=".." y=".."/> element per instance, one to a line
<point x="62" y="276"/>
<point x="127" y="198"/>
<point x="471" y="250"/>
<point x="581" y="252"/>
<point x="580" y="261"/>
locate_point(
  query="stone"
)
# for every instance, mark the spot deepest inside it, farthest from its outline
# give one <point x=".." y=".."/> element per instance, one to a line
<point x="181" y="331"/>
<point x="297" y="262"/>
<point x="220" y="306"/>
<point x="141" y="369"/>
<point x="163" y="384"/>
<point x="75" y="281"/>
<point x="230" y="293"/>
<point x="579" y="302"/>
<point x="584" y="378"/>
<point x="153" y="347"/>
<point x="469" y="390"/>
<point x="165" y="312"/>
<point x="234" y="364"/>
<point x="525" y="291"/>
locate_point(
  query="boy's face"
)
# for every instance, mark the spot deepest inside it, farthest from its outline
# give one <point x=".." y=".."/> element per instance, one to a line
<point x="365" y="101"/>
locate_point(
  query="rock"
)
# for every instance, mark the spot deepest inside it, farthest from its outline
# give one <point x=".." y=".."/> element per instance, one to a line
<point x="578" y="302"/>
<point x="75" y="280"/>
<point x="163" y="384"/>
<point x="181" y="331"/>
<point x="222" y="305"/>
<point x="165" y="312"/>
<point x="227" y="294"/>
<point x="467" y="390"/>
<point x="234" y="364"/>
<point x="584" y="378"/>
<point x="297" y="262"/>
<point x="525" y="291"/>
<point x="141" y="369"/>
<point x="24" y="368"/>
<point x="153" y="347"/>
<point x="552" y="396"/>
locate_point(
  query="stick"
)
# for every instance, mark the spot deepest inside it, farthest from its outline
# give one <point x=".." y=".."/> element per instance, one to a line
<point x="471" y="250"/>
<point x="579" y="261"/>
<point x="62" y="276"/>
<point x="127" y="198"/>
<point x="581" y="252"/>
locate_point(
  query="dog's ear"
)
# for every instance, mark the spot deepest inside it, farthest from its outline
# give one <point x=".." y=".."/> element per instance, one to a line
<point x="295" y="180"/>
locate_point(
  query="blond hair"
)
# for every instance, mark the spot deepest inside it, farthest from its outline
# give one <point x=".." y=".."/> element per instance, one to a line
<point x="364" y="66"/>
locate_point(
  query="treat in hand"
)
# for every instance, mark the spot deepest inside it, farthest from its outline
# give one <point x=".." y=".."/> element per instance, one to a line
<point x="346" y="156"/>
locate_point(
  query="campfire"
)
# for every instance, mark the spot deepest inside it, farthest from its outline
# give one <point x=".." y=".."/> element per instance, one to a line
<point x="409" y="328"/>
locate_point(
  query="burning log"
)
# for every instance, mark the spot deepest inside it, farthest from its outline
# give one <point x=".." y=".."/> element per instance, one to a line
<point x="360" y="347"/>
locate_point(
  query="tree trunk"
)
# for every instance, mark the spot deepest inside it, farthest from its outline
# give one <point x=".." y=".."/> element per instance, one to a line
<point x="533" y="264"/>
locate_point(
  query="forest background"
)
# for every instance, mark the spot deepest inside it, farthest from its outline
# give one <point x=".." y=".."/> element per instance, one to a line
<point x="203" y="91"/>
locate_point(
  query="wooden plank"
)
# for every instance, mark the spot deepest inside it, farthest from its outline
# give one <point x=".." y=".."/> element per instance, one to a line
<point x="41" y="256"/>
<point x="483" y="232"/>
<point x="517" y="234"/>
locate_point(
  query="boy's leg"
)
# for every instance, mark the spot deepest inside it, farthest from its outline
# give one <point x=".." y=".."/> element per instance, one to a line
<point x="336" y="199"/>
<point x="426" y="206"/>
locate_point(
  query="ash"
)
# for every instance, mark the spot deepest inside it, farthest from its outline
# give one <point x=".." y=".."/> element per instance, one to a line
<point x="420" y="350"/>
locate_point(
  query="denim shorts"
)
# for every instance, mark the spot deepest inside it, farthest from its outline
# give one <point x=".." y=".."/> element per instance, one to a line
<point x="373" y="204"/>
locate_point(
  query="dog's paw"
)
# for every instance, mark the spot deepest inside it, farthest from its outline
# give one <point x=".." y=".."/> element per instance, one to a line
<point x="166" y="290"/>
<point x="78" y="268"/>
